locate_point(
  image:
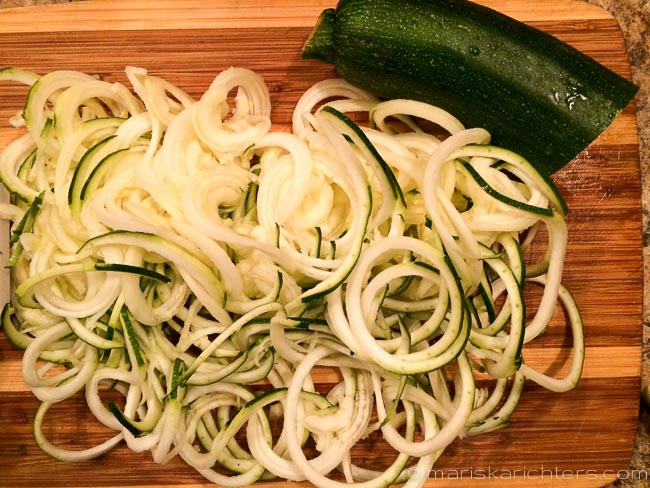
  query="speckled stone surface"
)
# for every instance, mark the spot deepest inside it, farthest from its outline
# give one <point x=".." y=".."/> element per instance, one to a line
<point x="633" y="17"/>
<point x="25" y="3"/>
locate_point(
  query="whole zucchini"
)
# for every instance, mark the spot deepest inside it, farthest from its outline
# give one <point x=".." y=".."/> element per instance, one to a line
<point x="537" y="95"/>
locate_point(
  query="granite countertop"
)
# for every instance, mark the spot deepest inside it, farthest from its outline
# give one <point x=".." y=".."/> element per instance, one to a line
<point x="633" y="17"/>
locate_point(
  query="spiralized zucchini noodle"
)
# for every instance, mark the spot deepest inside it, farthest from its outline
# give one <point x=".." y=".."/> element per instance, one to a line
<point x="261" y="301"/>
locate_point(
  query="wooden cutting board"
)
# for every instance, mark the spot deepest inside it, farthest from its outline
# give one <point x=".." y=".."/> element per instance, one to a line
<point x="580" y="438"/>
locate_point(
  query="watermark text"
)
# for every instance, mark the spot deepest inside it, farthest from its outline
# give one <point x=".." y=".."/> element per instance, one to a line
<point x="540" y="473"/>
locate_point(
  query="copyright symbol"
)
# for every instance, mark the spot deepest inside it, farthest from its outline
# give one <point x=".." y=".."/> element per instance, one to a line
<point x="413" y="473"/>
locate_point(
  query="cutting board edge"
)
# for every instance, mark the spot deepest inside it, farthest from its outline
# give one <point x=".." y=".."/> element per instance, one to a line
<point x="123" y="15"/>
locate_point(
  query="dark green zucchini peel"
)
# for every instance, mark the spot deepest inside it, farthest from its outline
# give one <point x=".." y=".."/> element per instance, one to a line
<point x="536" y="95"/>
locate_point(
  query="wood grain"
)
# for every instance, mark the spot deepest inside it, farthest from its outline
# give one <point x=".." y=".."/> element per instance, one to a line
<point x="207" y="14"/>
<point x="580" y="438"/>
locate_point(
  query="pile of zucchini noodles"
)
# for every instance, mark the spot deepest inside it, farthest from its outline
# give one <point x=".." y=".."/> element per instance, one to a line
<point x="217" y="277"/>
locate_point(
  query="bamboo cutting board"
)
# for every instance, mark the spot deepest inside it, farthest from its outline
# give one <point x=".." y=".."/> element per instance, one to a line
<point x="580" y="438"/>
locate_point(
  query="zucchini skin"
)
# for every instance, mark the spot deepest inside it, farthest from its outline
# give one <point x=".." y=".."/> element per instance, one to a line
<point x="535" y="94"/>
